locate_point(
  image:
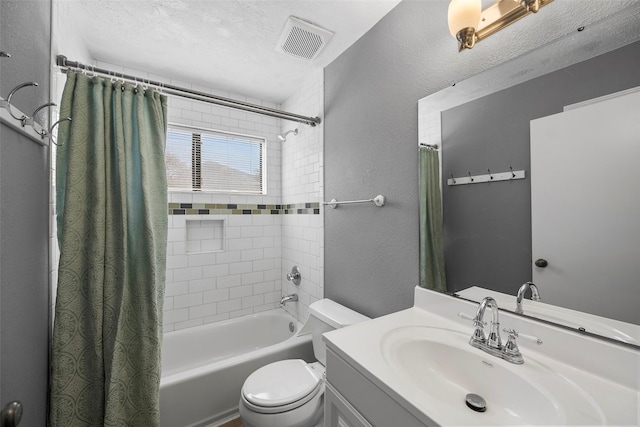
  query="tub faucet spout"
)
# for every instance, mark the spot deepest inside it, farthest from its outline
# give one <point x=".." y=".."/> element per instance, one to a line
<point x="287" y="298"/>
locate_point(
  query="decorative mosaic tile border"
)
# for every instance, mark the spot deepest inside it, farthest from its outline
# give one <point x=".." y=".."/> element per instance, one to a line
<point x="236" y="209"/>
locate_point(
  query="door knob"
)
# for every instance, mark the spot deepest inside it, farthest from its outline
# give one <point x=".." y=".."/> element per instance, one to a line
<point x="11" y="414"/>
<point x="542" y="263"/>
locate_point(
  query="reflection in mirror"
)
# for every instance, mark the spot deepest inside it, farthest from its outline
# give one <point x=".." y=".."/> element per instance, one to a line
<point x="621" y="331"/>
<point x="483" y="124"/>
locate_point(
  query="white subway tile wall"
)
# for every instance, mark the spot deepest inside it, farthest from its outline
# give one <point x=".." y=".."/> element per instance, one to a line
<point x="246" y="275"/>
<point x="243" y="278"/>
<point x="302" y="181"/>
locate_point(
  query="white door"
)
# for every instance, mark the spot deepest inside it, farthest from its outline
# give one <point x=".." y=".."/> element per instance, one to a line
<point x="585" y="194"/>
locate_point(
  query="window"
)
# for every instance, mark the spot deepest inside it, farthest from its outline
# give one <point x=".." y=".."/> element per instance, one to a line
<point x="209" y="160"/>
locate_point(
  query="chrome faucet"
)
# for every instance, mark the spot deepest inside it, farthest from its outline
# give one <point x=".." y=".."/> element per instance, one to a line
<point x="287" y="298"/>
<point x="493" y="343"/>
<point x="535" y="295"/>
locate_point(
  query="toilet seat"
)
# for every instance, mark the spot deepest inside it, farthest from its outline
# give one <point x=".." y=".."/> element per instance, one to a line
<point x="282" y="386"/>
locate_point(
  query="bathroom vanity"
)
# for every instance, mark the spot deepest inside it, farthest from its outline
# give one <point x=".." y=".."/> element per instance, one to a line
<point x="416" y="368"/>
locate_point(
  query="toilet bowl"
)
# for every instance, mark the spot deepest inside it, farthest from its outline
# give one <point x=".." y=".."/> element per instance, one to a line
<point x="290" y="393"/>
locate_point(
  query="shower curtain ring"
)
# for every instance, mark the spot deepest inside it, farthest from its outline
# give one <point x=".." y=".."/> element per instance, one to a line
<point x="453" y="180"/>
<point x="490" y="176"/>
<point x="470" y="177"/>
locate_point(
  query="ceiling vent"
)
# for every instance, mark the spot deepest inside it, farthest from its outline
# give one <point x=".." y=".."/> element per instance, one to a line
<point x="302" y="39"/>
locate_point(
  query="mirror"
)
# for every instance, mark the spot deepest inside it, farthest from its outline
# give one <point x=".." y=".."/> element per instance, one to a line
<point x="482" y="127"/>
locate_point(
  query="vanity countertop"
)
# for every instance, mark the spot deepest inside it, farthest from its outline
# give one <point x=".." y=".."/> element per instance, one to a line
<point x="605" y="375"/>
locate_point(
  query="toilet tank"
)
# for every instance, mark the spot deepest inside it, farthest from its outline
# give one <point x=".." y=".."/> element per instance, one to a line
<point x="326" y="315"/>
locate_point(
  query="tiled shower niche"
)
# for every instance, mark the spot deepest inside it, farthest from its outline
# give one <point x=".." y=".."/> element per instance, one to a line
<point x="204" y="236"/>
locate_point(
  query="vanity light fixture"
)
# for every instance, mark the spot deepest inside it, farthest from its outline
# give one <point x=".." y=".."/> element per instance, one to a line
<point x="469" y="24"/>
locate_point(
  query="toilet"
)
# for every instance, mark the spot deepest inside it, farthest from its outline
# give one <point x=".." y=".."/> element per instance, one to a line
<point x="290" y="393"/>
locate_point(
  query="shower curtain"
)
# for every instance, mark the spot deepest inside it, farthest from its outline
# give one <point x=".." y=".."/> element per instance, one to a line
<point x="432" y="274"/>
<point x="112" y="229"/>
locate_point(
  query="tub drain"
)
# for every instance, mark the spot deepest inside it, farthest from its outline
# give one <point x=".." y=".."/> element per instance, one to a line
<point x="476" y="402"/>
<point x="292" y="327"/>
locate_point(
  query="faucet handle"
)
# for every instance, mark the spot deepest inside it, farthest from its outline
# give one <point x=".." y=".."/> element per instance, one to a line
<point x="510" y="350"/>
<point x="478" y="338"/>
<point x="516" y="334"/>
<point x="476" y="322"/>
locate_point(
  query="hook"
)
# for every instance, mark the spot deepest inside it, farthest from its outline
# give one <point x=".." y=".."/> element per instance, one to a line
<point x="490" y="176"/>
<point x="470" y="177"/>
<point x="5" y="54"/>
<point x="7" y="103"/>
<point x="513" y="175"/>
<point x="43" y="134"/>
<point x="31" y="120"/>
<point x="453" y="180"/>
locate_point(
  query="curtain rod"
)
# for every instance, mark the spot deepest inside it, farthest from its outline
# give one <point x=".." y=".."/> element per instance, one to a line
<point x="169" y="89"/>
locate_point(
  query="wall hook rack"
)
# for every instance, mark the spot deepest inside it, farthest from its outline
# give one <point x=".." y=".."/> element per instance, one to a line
<point x="12" y="115"/>
<point x="490" y="177"/>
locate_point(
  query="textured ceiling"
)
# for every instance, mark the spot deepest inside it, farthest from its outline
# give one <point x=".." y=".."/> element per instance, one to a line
<point x="230" y="44"/>
<point x="226" y="44"/>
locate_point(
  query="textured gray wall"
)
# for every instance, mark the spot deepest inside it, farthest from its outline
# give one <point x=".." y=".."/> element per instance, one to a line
<point x="24" y="220"/>
<point x="488" y="227"/>
<point x="371" y="254"/>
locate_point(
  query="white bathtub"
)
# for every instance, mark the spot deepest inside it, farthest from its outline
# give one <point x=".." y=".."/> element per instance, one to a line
<point x="203" y="368"/>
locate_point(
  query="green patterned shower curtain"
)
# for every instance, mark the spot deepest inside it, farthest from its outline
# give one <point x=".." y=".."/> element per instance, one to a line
<point x="112" y="230"/>
<point x="432" y="273"/>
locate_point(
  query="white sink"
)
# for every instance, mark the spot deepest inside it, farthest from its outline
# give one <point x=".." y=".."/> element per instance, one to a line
<point x="441" y="365"/>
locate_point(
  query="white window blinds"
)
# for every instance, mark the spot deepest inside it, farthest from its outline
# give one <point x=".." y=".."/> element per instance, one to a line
<point x="207" y="160"/>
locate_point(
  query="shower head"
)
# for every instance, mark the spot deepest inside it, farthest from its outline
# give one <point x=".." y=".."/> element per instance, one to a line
<point x="283" y="137"/>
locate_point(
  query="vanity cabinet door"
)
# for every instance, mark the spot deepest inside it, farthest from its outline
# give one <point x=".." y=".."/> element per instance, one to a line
<point x="339" y="413"/>
<point x="368" y="399"/>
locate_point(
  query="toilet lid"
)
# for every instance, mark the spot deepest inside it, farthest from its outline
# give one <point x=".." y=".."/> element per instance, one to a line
<point x="281" y="383"/>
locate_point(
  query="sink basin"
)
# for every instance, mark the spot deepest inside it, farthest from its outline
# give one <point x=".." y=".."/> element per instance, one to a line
<point x="443" y="368"/>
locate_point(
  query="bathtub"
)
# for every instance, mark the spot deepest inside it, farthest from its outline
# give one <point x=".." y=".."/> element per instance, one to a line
<point x="203" y="368"/>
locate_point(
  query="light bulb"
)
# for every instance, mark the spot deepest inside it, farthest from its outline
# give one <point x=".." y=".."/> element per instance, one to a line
<point x="464" y="14"/>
